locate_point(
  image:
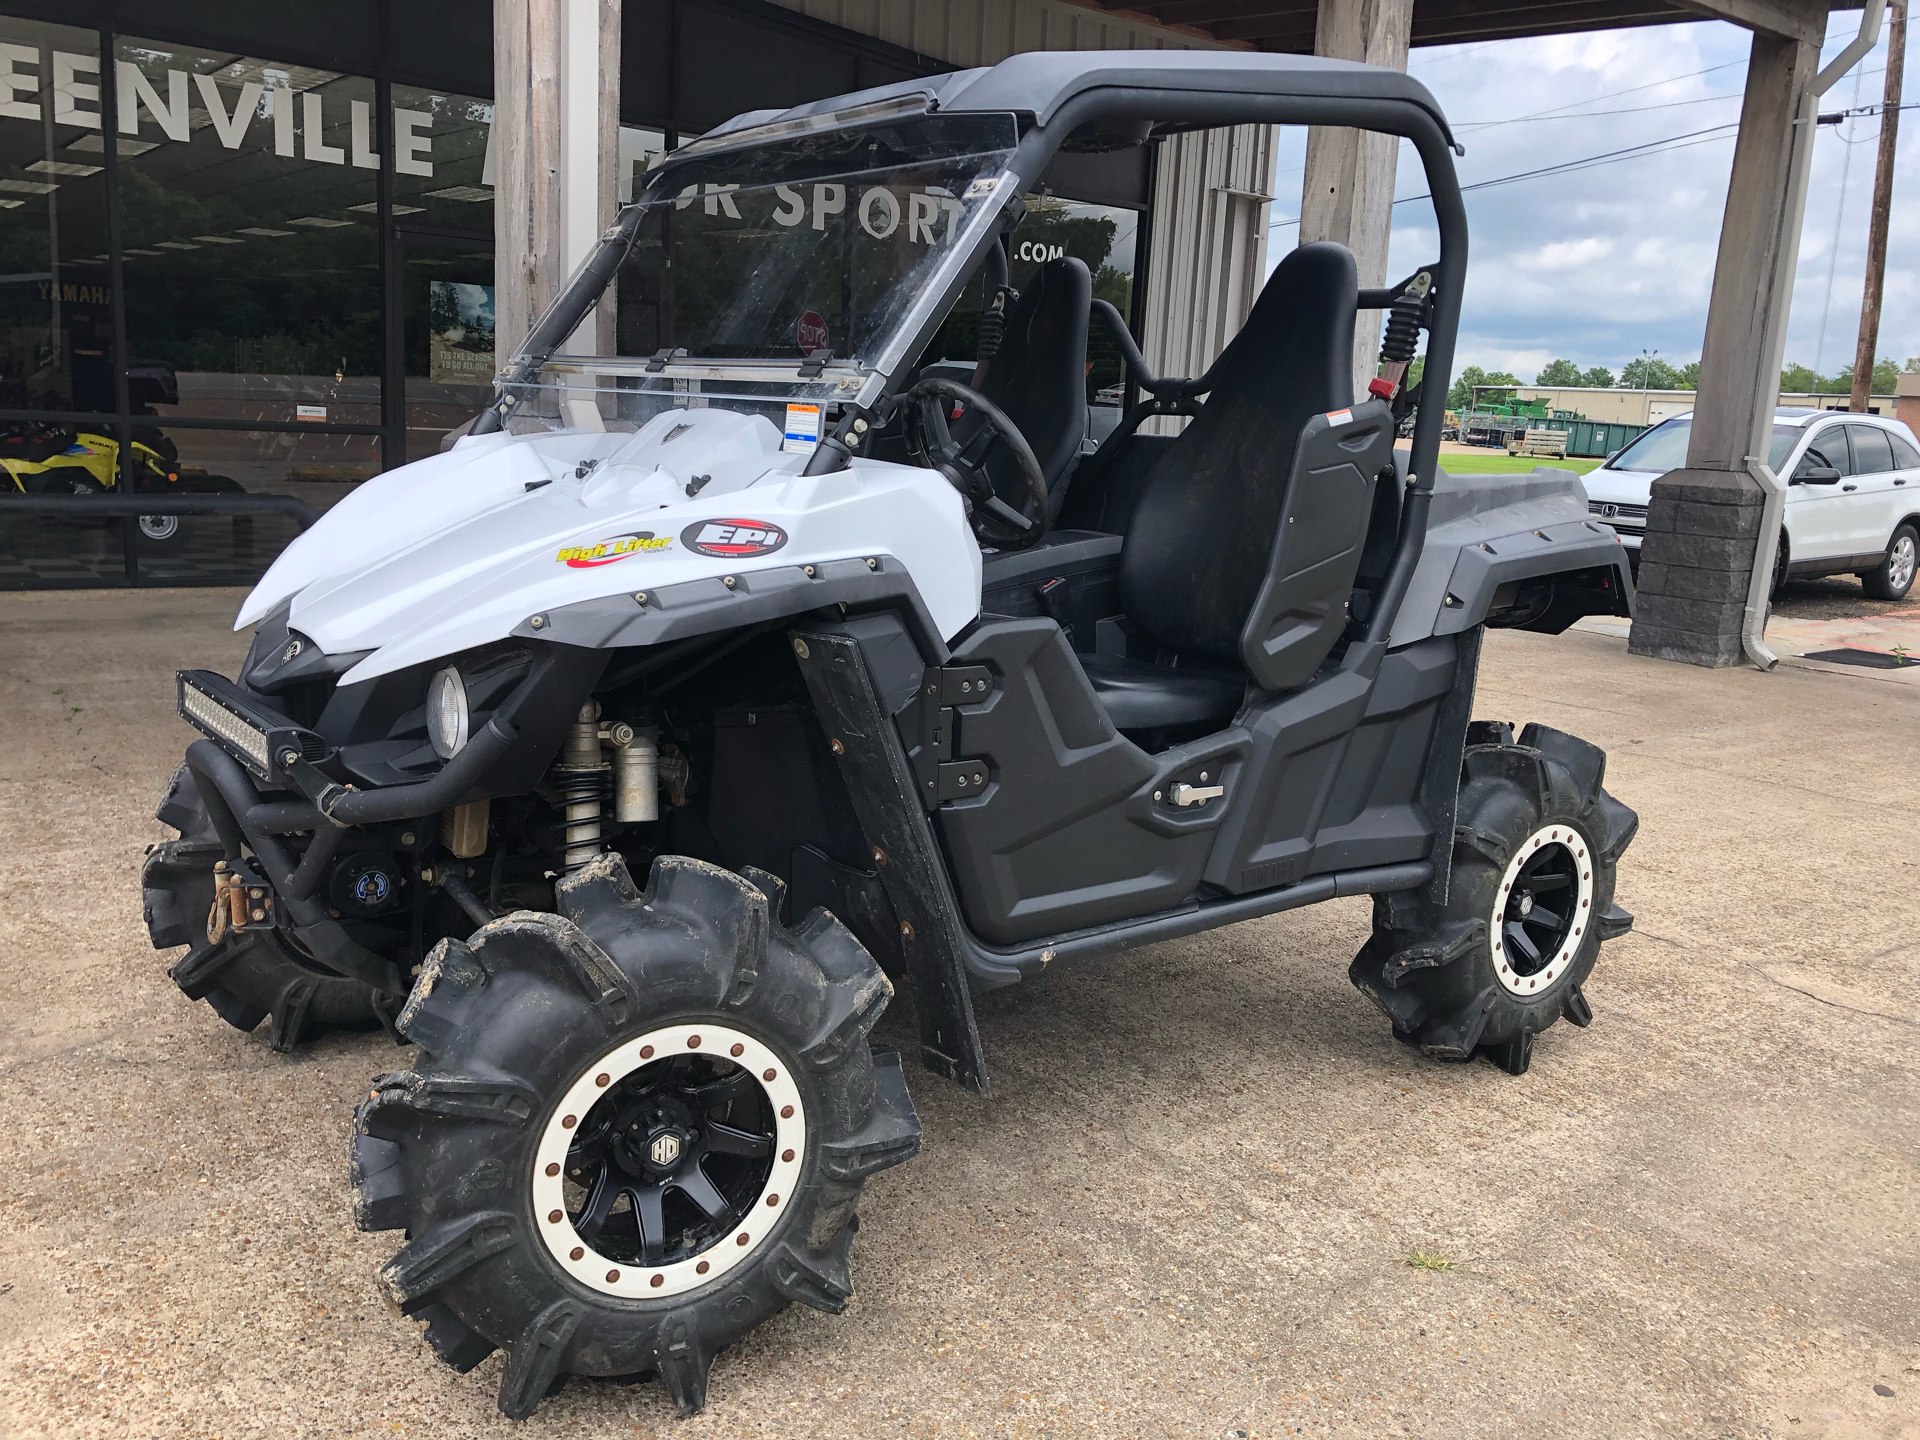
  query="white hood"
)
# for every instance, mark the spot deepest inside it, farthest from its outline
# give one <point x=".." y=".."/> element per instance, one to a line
<point x="456" y="550"/>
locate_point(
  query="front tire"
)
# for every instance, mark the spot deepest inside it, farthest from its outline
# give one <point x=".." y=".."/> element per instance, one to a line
<point x="1535" y="845"/>
<point x="1892" y="578"/>
<point x="636" y="1130"/>
<point x="244" y="976"/>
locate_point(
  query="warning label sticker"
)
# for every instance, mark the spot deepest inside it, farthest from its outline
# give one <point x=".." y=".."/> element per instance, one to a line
<point x="803" y="430"/>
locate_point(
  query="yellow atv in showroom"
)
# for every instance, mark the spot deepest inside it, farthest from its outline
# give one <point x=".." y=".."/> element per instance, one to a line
<point x="43" y="459"/>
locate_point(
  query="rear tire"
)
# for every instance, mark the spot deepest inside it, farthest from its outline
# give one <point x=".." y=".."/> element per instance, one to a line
<point x="611" y="1054"/>
<point x="245" y="978"/>
<point x="1535" y="844"/>
<point x="1892" y="578"/>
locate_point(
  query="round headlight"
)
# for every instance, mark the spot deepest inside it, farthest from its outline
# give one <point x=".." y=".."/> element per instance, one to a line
<point x="447" y="713"/>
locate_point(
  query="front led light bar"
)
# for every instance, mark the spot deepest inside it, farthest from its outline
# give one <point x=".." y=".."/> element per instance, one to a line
<point x="258" y="738"/>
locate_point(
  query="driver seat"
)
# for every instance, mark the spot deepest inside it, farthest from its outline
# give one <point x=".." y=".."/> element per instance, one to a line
<point x="1202" y="536"/>
<point x="1040" y="379"/>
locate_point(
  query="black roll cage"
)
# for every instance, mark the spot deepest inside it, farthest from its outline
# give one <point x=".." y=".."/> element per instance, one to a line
<point x="1090" y="110"/>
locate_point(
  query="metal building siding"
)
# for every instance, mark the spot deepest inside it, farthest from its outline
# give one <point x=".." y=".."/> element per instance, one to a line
<point x="1207" y="254"/>
<point x="1208" y="251"/>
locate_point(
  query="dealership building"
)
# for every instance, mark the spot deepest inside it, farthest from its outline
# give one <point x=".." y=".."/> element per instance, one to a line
<point x="273" y="250"/>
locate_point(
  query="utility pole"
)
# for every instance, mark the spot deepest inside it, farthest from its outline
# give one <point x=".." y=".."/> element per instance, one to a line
<point x="1882" y="206"/>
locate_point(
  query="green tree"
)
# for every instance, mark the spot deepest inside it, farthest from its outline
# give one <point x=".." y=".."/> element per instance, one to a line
<point x="1886" y="375"/>
<point x="1690" y="375"/>
<point x="1461" y="396"/>
<point x="1599" y="377"/>
<point x="1558" y="372"/>
<point x="1798" y="379"/>
<point x="1649" y="373"/>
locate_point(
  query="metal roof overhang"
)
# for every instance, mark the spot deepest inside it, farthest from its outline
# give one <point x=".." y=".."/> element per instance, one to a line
<point x="1287" y="26"/>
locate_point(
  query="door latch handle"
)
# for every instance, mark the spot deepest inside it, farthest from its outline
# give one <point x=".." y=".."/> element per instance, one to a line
<point x="1849" y="487"/>
<point x="1185" y="794"/>
<point x="1899" y="482"/>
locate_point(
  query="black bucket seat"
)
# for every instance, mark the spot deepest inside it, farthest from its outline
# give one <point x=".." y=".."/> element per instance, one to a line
<point x="1202" y="539"/>
<point x="1040" y="378"/>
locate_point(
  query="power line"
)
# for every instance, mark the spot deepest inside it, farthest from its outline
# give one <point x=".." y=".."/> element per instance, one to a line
<point x="1636" y="109"/>
<point x="1595" y="99"/>
<point x="1596" y="114"/>
<point x="1610" y="157"/>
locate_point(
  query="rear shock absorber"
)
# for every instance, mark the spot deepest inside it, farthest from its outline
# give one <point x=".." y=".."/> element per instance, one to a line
<point x="583" y="779"/>
<point x="1402" y="338"/>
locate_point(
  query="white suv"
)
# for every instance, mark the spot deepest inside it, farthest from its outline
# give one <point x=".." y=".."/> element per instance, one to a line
<point x="1853" y="496"/>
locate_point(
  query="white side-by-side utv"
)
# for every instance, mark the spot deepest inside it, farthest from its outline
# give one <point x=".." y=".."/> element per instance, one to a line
<point x="626" y="757"/>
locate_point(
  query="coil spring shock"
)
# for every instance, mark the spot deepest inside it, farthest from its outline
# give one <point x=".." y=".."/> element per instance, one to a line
<point x="584" y="781"/>
<point x="1403" y="328"/>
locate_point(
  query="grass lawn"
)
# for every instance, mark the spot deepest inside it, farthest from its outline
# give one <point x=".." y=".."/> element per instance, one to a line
<point x="1498" y="462"/>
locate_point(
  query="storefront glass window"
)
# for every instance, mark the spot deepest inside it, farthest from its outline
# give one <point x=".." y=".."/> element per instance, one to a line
<point x="1102" y="237"/>
<point x="247" y="196"/>
<point x="55" y="297"/>
<point x="443" y="216"/>
<point x="442" y="160"/>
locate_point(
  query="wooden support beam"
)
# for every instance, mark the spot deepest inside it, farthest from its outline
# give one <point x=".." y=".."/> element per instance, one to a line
<point x="556" y="77"/>
<point x="1347" y="194"/>
<point x="1705" y="519"/>
<point x="1453" y="22"/>
<point x="1804" y="20"/>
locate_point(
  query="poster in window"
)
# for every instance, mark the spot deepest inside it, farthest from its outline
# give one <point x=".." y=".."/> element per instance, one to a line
<point x="460" y="333"/>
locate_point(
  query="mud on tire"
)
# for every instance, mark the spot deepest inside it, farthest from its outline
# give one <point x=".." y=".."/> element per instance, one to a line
<point x="244" y="977"/>
<point x="572" y="1063"/>
<point x="1536" y="843"/>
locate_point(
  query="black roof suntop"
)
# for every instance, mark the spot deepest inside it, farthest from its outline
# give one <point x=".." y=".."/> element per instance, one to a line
<point x="1039" y="82"/>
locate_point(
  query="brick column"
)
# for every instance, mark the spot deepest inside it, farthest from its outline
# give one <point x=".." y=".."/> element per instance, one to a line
<point x="1694" y="566"/>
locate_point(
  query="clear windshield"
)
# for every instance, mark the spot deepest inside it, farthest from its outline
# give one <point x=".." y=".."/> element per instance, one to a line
<point x="792" y="270"/>
<point x="1664" y="447"/>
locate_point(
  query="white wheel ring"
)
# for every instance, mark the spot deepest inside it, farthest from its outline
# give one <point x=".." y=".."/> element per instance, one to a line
<point x="1580" y="919"/>
<point x="652" y="1282"/>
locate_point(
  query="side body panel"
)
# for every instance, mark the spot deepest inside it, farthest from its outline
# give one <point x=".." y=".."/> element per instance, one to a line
<point x="1068" y="832"/>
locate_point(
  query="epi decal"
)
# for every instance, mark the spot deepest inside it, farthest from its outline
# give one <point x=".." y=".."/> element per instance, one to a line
<point x="733" y="539"/>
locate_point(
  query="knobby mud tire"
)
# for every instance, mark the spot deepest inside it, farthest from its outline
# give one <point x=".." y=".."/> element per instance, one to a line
<point x="1434" y="969"/>
<point x="512" y="1022"/>
<point x="245" y="978"/>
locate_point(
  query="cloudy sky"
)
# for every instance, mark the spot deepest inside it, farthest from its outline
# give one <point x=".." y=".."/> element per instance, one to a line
<point x="1606" y="262"/>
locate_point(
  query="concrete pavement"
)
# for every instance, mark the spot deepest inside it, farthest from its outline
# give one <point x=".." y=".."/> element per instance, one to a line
<point x="1188" y="1210"/>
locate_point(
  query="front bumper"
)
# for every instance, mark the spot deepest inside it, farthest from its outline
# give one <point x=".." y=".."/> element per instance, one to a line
<point x="1629" y="522"/>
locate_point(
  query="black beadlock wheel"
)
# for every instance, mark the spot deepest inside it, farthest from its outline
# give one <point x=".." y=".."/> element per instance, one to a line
<point x="1536" y="843"/>
<point x="636" y="1129"/>
<point x="244" y="977"/>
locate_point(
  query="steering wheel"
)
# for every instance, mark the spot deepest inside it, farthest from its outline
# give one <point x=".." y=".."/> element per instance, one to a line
<point x="995" y="522"/>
